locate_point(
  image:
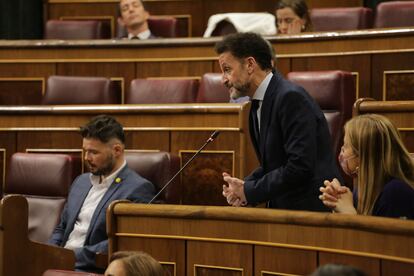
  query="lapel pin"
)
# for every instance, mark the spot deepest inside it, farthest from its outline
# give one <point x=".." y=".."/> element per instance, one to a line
<point x="118" y="180"/>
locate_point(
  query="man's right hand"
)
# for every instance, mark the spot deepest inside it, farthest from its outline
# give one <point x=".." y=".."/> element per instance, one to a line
<point x="234" y="192"/>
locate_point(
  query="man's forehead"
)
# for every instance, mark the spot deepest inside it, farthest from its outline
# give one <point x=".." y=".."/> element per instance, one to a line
<point x="92" y="142"/>
<point x="228" y="59"/>
<point x="124" y="2"/>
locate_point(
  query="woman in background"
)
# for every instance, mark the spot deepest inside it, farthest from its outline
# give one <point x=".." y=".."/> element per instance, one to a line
<point x="383" y="171"/>
<point x="134" y="263"/>
<point x="292" y="17"/>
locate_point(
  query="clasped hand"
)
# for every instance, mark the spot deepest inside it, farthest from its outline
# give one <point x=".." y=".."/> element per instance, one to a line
<point x="337" y="197"/>
<point x="234" y="192"/>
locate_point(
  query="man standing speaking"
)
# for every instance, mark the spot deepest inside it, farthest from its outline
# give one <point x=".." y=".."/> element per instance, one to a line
<point x="288" y="130"/>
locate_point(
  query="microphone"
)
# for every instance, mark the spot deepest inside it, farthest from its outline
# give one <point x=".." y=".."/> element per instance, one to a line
<point x="209" y="140"/>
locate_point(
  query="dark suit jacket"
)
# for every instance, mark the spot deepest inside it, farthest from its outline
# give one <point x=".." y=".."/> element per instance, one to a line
<point x="132" y="187"/>
<point x="294" y="150"/>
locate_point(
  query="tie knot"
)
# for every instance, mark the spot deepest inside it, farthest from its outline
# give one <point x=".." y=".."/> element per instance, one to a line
<point x="255" y="104"/>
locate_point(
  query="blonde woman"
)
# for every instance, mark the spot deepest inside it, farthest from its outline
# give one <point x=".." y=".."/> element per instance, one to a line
<point x="374" y="155"/>
<point x="134" y="263"/>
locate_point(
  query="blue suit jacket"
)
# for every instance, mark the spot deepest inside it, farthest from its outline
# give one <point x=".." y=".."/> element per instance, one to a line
<point x="132" y="187"/>
<point x="294" y="150"/>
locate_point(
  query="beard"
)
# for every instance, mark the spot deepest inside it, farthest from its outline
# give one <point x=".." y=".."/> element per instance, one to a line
<point x="238" y="91"/>
<point x="234" y="93"/>
<point x="105" y="169"/>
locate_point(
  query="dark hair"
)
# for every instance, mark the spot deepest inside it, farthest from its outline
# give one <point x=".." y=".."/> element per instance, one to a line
<point x="103" y="128"/>
<point x="243" y="45"/>
<point x="300" y="8"/>
<point x="118" y="10"/>
<point x="138" y="263"/>
<point x="273" y="54"/>
<point x="337" y="270"/>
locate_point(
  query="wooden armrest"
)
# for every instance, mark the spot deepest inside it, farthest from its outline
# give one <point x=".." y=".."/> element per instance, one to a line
<point x="101" y="260"/>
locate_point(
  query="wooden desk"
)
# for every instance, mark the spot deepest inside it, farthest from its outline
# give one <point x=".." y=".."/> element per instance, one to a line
<point x="197" y="240"/>
<point x="18" y="254"/>
<point x="192" y="14"/>
<point x="381" y="61"/>
<point x="179" y="129"/>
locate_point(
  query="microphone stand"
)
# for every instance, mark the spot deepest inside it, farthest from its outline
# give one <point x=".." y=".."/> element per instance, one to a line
<point x="209" y="140"/>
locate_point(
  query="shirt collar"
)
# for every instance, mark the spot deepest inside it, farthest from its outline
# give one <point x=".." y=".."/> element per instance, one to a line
<point x="107" y="181"/>
<point x="143" y="35"/>
<point x="261" y="90"/>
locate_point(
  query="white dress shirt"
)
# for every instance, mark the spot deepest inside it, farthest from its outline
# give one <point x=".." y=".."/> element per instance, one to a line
<point x="260" y="93"/>
<point x="99" y="187"/>
<point x="144" y="35"/>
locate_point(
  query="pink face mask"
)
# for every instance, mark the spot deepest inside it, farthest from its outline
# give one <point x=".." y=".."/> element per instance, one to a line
<point x="344" y="164"/>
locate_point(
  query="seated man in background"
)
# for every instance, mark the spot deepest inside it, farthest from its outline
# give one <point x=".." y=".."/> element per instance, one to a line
<point x="134" y="17"/>
<point x="82" y="227"/>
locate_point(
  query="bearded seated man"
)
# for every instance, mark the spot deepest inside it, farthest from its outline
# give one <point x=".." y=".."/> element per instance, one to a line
<point x="82" y="226"/>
